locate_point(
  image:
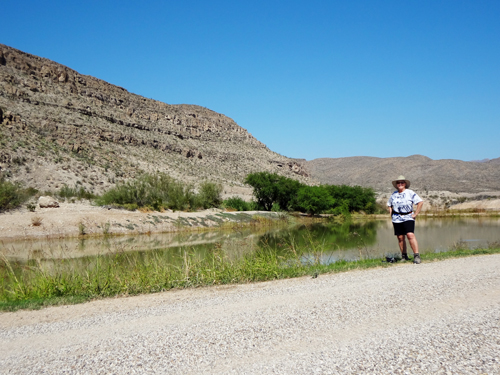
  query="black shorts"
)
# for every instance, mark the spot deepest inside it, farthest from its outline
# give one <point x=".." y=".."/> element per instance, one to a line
<point x="404" y="228"/>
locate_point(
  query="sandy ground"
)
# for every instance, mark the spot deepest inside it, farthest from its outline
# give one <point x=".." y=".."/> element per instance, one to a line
<point x="440" y="317"/>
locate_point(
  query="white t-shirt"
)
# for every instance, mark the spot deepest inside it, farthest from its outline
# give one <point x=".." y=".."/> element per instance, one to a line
<point x="402" y="205"/>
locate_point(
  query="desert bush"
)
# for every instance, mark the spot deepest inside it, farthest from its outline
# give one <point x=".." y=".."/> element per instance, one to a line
<point x="82" y="229"/>
<point x="36" y="221"/>
<point x="160" y="191"/>
<point x="238" y="204"/>
<point x="271" y="190"/>
<point x="210" y="195"/>
<point x="356" y="198"/>
<point x="12" y="194"/>
<point x="76" y="192"/>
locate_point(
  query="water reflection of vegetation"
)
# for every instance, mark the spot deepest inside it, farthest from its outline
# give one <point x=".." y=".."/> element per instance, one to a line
<point x="333" y="236"/>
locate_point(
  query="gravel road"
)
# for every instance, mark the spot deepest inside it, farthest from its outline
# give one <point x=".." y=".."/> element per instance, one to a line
<point x="440" y="317"/>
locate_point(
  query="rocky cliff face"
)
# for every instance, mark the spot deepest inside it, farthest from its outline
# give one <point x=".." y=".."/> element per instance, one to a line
<point x="60" y="127"/>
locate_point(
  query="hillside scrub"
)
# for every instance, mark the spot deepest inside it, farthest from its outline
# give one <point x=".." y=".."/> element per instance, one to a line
<point x="13" y="195"/>
<point x="271" y="189"/>
<point x="160" y="191"/>
<point x="67" y="192"/>
<point x="238" y="204"/>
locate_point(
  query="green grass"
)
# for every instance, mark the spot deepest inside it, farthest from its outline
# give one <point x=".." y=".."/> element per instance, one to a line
<point x="36" y="284"/>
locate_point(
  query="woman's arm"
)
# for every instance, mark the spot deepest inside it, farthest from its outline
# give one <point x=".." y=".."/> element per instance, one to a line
<point x="417" y="211"/>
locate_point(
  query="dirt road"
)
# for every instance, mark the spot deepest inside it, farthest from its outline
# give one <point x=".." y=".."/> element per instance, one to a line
<point x="441" y="317"/>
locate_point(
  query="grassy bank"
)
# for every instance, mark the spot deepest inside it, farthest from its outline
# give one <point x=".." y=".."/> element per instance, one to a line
<point x="36" y="284"/>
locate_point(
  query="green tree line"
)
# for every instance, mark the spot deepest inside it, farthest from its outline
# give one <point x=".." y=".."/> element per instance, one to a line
<point x="273" y="192"/>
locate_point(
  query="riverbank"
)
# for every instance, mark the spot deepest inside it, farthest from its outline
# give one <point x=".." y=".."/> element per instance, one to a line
<point x="431" y="318"/>
<point x="74" y="219"/>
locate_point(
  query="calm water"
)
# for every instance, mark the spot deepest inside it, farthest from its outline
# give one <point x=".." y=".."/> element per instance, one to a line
<point x="347" y="241"/>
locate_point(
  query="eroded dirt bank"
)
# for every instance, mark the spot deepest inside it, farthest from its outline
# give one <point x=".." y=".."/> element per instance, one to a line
<point x="70" y="219"/>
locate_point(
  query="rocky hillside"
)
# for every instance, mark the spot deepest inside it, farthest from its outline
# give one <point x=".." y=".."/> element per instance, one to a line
<point x="61" y="127"/>
<point x="425" y="174"/>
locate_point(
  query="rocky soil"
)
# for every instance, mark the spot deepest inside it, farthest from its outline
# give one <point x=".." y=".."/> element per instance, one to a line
<point x="60" y="127"/>
<point x="432" y="318"/>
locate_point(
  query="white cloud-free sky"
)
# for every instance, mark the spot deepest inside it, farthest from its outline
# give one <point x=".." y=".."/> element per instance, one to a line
<point x="308" y="78"/>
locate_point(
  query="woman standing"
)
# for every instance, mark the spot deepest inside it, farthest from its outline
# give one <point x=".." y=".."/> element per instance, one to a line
<point x="403" y="216"/>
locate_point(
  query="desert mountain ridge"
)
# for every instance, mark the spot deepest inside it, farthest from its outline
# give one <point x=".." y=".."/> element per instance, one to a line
<point x="425" y="174"/>
<point x="61" y="127"/>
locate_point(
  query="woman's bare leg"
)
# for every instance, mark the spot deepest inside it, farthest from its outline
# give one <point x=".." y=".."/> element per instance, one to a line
<point x="402" y="243"/>
<point x="413" y="242"/>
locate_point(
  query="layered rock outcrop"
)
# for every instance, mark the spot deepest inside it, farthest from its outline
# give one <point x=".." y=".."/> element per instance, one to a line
<point x="85" y="131"/>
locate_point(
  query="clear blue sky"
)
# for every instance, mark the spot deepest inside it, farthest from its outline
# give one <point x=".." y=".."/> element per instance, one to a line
<point x="308" y="78"/>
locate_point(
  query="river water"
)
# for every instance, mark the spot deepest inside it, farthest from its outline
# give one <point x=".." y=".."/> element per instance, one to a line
<point x="341" y="241"/>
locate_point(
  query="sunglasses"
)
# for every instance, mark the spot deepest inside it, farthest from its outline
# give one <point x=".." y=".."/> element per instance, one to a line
<point x="400" y="182"/>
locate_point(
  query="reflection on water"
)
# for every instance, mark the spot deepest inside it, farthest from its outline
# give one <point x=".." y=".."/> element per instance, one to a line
<point x="347" y="241"/>
<point x="335" y="241"/>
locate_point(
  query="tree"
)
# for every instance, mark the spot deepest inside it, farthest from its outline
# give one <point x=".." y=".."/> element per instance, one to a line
<point x="270" y="188"/>
<point x="313" y="199"/>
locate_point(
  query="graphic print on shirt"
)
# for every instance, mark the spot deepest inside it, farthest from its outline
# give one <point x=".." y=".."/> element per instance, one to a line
<point x="402" y="205"/>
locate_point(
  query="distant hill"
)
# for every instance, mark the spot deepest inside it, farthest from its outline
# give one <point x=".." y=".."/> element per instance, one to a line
<point x="424" y="173"/>
<point x="61" y="127"/>
<point x="497" y="160"/>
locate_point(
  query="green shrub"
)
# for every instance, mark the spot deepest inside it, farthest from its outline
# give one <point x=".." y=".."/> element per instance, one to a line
<point x="313" y="199"/>
<point x="271" y="190"/>
<point x="210" y="195"/>
<point x="80" y="193"/>
<point x="238" y="204"/>
<point x="12" y="194"/>
<point x="357" y="198"/>
<point x="276" y="207"/>
<point x="160" y="191"/>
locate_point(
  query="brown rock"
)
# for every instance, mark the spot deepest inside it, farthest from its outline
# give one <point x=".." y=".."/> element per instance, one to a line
<point x="63" y="77"/>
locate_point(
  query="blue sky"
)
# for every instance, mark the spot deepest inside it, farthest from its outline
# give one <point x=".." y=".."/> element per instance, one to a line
<point x="309" y="79"/>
